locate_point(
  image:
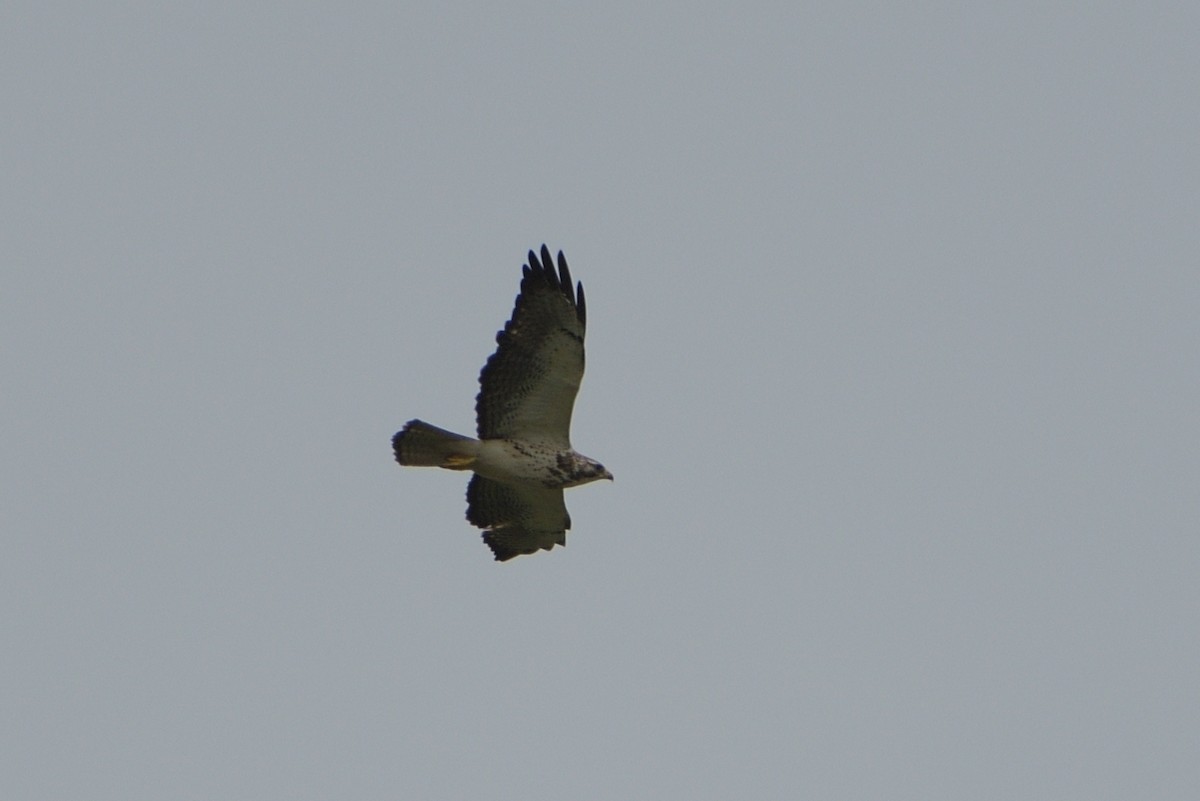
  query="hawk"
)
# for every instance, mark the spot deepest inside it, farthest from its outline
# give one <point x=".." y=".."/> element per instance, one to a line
<point x="523" y="457"/>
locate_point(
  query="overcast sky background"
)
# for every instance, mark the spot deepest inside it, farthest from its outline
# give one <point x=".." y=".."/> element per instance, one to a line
<point x="894" y="313"/>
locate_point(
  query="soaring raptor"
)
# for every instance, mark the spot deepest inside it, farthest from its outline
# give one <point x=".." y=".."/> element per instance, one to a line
<point x="523" y="458"/>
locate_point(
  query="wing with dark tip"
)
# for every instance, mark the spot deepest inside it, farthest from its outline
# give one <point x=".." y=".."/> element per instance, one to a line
<point x="520" y="519"/>
<point x="528" y="386"/>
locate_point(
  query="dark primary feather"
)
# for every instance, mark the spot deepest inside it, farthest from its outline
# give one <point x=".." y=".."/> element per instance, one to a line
<point x="528" y="386"/>
<point x="520" y="519"/>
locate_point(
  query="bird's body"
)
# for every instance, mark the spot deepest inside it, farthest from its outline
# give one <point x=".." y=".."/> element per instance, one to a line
<point x="510" y="461"/>
<point x="523" y="457"/>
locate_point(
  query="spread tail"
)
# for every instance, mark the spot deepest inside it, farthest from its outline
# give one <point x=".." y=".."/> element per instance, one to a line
<point x="419" y="444"/>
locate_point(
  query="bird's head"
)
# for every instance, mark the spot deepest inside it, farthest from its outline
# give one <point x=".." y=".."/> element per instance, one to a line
<point x="593" y="471"/>
<point x="584" y="470"/>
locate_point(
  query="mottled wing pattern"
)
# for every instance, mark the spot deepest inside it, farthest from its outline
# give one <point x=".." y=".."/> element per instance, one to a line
<point x="521" y="519"/>
<point x="528" y="386"/>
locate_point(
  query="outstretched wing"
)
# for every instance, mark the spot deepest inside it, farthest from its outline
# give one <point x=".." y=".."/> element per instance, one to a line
<point x="520" y="519"/>
<point x="528" y="386"/>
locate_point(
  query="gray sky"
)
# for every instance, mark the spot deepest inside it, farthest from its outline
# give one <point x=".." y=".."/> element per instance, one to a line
<point x="893" y="327"/>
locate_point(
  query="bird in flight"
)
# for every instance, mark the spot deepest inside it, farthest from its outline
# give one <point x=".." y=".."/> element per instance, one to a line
<point x="523" y="459"/>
